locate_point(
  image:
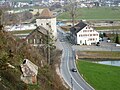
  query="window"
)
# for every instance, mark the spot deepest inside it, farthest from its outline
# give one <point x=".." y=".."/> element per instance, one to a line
<point x="47" y="23"/>
<point x="90" y="39"/>
<point x="38" y="41"/>
<point x="80" y="41"/>
<point x="30" y="41"/>
<point x="85" y="34"/>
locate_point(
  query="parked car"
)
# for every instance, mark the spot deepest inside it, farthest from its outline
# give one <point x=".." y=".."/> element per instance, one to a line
<point x="117" y="45"/>
<point x="101" y="39"/>
<point x="98" y="44"/>
<point x="108" y="40"/>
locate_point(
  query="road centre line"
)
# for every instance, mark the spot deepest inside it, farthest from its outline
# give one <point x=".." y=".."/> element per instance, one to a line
<point x="81" y="76"/>
<point x="69" y="70"/>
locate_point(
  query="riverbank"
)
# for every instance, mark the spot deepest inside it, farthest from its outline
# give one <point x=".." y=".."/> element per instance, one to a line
<point x="98" y="55"/>
<point x="100" y="77"/>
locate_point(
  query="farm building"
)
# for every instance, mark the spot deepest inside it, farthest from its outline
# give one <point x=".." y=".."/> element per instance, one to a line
<point x="84" y="34"/>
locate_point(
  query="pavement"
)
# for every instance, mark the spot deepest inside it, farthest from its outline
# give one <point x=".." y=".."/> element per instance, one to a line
<point x="104" y="46"/>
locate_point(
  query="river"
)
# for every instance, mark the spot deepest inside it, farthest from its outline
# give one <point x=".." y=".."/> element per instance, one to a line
<point x="113" y="63"/>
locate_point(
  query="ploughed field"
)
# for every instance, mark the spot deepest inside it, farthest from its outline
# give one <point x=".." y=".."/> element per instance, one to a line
<point x="99" y="55"/>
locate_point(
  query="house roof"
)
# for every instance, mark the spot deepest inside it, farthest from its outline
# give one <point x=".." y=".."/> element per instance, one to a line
<point x="39" y="29"/>
<point x="42" y="30"/>
<point x="45" y="14"/>
<point x="28" y="68"/>
<point x="78" y="27"/>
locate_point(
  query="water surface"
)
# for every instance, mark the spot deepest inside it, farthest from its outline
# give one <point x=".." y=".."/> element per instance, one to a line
<point x="113" y="63"/>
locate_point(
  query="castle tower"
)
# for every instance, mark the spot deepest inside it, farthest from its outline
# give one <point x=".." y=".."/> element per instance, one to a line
<point x="48" y="21"/>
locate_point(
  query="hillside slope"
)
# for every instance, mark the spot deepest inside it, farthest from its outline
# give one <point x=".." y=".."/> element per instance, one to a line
<point x="13" y="54"/>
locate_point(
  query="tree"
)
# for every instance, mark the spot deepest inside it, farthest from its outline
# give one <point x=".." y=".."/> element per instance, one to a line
<point x="50" y="45"/>
<point x="3" y="9"/>
<point x="26" y="15"/>
<point x="3" y="61"/>
<point x="72" y="10"/>
<point x="117" y="39"/>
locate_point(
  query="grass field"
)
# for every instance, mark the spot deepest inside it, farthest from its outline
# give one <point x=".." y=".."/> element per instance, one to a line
<point x="20" y="0"/>
<point x="105" y="13"/>
<point x="21" y="32"/>
<point x="101" y="77"/>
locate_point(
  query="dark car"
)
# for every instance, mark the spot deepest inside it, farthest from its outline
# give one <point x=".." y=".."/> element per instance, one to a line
<point x="98" y="44"/>
<point x="73" y="70"/>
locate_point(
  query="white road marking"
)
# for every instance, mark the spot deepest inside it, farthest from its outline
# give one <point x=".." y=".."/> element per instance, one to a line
<point x="70" y="73"/>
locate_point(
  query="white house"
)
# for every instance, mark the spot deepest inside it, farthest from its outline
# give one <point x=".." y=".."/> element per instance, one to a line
<point x="48" y="21"/>
<point x="84" y="34"/>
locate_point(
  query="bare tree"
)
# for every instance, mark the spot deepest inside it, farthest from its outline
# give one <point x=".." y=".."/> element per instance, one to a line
<point x="72" y="10"/>
<point x="26" y="15"/>
<point x="3" y="9"/>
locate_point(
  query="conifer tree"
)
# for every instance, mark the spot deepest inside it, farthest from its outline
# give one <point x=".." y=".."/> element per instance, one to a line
<point x="117" y="39"/>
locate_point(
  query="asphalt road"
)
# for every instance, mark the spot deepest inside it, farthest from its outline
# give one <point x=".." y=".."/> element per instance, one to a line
<point x="73" y="79"/>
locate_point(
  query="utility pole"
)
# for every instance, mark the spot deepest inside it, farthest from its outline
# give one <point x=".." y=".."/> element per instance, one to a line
<point x="48" y="45"/>
<point x="71" y="83"/>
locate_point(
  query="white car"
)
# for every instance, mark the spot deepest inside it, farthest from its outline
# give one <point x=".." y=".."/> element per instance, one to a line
<point x="108" y="40"/>
<point x="117" y="45"/>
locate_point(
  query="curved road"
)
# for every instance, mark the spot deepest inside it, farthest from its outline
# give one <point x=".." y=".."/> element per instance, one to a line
<point x="73" y="79"/>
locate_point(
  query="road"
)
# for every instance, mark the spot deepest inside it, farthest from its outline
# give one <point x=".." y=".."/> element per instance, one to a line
<point x="73" y="79"/>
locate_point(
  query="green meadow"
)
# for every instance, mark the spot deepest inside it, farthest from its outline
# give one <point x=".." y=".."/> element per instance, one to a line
<point x="104" y="13"/>
<point x="101" y="77"/>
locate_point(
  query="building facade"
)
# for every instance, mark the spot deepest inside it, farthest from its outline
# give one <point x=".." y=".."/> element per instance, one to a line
<point x="37" y="37"/>
<point x="48" y="21"/>
<point x="84" y="34"/>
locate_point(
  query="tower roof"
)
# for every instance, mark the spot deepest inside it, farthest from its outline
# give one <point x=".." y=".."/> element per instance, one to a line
<point x="46" y="13"/>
